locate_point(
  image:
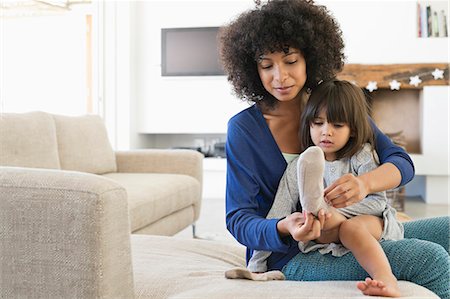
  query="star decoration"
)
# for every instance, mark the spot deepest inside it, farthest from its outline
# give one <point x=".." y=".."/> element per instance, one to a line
<point x="438" y="74"/>
<point x="395" y="85"/>
<point x="371" y="86"/>
<point x="414" y="81"/>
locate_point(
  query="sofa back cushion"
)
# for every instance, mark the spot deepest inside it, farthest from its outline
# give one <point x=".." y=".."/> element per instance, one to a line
<point x="83" y="144"/>
<point x="28" y="140"/>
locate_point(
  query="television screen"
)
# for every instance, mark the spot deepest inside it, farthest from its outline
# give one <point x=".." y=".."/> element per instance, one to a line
<point x="190" y="52"/>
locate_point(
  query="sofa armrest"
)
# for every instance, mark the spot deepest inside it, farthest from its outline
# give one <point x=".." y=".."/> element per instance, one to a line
<point x="63" y="234"/>
<point x="176" y="161"/>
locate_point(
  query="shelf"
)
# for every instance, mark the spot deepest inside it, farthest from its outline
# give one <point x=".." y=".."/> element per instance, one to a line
<point x="383" y="74"/>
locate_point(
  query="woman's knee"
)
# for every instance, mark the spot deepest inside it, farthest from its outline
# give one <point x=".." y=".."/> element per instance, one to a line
<point x="413" y="259"/>
<point x="436" y="230"/>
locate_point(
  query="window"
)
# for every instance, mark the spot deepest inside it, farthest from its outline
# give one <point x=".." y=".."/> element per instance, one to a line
<point x="46" y="62"/>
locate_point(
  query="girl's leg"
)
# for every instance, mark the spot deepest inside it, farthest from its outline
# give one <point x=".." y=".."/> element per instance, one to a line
<point x="435" y="230"/>
<point x="330" y="230"/>
<point x="421" y="262"/>
<point x="360" y="235"/>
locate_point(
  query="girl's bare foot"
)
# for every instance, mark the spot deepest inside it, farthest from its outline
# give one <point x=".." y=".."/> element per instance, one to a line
<point x="379" y="288"/>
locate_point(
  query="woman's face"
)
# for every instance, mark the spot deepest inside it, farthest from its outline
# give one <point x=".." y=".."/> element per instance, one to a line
<point x="283" y="74"/>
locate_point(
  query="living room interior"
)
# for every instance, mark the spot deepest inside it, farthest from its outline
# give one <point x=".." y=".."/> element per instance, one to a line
<point x="71" y="60"/>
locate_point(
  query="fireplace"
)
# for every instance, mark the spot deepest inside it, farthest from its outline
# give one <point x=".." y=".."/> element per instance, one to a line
<point x="398" y="115"/>
<point x="397" y="112"/>
<point x="418" y="114"/>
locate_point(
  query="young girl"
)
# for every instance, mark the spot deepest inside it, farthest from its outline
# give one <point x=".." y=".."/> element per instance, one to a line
<point x="335" y="128"/>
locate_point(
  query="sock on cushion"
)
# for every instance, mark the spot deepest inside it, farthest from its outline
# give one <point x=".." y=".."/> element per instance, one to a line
<point x="310" y="168"/>
<point x="243" y="273"/>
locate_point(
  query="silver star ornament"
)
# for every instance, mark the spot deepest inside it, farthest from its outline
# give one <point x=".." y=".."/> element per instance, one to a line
<point x="415" y="81"/>
<point x="395" y="85"/>
<point x="438" y="74"/>
<point x="371" y="86"/>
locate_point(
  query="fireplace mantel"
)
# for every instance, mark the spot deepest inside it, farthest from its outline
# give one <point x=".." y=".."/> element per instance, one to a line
<point x="420" y="113"/>
<point x="383" y="74"/>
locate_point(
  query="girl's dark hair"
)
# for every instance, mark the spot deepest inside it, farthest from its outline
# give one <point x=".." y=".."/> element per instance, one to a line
<point x="272" y="27"/>
<point x="344" y="102"/>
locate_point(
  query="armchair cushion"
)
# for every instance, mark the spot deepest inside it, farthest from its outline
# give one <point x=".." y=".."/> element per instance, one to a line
<point x="28" y="140"/>
<point x="83" y="144"/>
<point x="151" y="195"/>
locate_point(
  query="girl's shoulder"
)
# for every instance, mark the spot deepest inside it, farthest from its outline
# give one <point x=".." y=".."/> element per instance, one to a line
<point x="366" y="155"/>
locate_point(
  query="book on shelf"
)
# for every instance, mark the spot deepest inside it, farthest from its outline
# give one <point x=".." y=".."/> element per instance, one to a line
<point x="431" y="21"/>
<point x="419" y="21"/>
<point x="442" y="22"/>
<point x="423" y="21"/>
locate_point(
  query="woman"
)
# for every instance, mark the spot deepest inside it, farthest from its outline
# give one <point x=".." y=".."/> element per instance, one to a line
<point x="273" y="55"/>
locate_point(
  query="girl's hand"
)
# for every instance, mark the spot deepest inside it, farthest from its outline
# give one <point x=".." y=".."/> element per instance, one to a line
<point x="303" y="226"/>
<point x="345" y="191"/>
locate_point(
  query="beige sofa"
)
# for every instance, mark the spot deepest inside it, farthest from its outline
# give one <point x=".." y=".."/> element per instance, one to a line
<point x="163" y="186"/>
<point x="66" y="234"/>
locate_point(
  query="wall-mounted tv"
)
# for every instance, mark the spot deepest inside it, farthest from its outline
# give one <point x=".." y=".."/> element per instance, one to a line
<point x="190" y="52"/>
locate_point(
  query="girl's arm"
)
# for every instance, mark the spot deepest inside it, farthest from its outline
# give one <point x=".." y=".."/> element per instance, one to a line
<point x="396" y="169"/>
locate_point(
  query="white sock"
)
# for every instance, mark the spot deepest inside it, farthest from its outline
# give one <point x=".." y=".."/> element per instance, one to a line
<point x="243" y="273"/>
<point x="310" y="168"/>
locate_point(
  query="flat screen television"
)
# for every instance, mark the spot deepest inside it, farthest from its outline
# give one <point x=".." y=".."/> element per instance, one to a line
<point x="190" y="52"/>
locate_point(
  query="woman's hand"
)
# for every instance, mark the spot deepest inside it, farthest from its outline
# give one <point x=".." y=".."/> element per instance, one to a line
<point x="345" y="191"/>
<point x="303" y="226"/>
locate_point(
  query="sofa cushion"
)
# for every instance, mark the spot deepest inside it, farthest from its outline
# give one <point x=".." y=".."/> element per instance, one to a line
<point x="83" y="144"/>
<point x="28" y="140"/>
<point x="172" y="267"/>
<point x="152" y="196"/>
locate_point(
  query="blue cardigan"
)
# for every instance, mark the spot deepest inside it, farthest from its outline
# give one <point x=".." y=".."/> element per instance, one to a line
<point x="255" y="165"/>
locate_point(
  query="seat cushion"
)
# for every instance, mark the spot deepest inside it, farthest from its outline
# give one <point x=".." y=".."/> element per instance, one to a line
<point x="172" y="267"/>
<point x="152" y="196"/>
<point x="83" y="144"/>
<point x="28" y="140"/>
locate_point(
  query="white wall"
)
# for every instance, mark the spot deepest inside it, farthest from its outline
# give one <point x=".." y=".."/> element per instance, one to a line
<point x="180" y="104"/>
<point x="375" y="32"/>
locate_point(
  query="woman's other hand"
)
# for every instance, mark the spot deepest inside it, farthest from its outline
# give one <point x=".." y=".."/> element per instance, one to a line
<point x="345" y="191"/>
<point x="303" y="226"/>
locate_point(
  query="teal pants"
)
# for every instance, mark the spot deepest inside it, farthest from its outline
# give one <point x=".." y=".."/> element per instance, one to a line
<point x="422" y="257"/>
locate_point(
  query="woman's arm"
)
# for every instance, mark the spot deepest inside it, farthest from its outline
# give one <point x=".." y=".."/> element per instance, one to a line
<point x="388" y="152"/>
<point x="247" y="200"/>
<point x="396" y="169"/>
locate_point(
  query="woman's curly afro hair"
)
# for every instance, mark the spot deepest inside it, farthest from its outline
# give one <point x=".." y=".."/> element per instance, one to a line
<point x="272" y="27"/>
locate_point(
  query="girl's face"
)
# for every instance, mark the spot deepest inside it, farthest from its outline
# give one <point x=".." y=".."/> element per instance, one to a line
<point x="283" y="74"/>
<point x="330" y="137"/>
